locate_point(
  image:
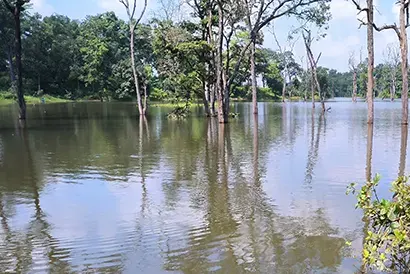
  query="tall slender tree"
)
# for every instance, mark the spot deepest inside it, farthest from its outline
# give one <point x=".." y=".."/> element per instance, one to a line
<point x="392" y="59"/>
<point x="307" y="37"/>
<point x="369" y="10"/>
<point x="353" y="67"/>
<point x="131" y="10"/>
<point x="16" y="7"/>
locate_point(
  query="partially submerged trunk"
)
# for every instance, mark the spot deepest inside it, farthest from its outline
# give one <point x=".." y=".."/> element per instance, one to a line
<point x="313" y="66"/>
<point x="141" y="103"/>
<point x="370" y="63"/>
<point x="312" y="87"/>
<point x="205" y="98"/>
<point x="393" y="88"/>
<point x="319" y="90"/>
<point x="253" y="77"/>
<point x="222" y="115"/>
<point x="403" y="149"/>
<point x="20" y="93"/>
<point x="354" y="95"/>
<point x="141" y="108"/>
<point x="404" y="63"/>
<point x="16" y="11"/>
<point x="284" y="90"/>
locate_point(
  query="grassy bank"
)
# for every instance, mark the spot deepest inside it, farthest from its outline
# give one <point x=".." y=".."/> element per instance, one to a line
<point x="7" y="98"/>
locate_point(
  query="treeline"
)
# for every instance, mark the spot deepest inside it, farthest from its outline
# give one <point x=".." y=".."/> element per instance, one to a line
<point x="211" y="57"/>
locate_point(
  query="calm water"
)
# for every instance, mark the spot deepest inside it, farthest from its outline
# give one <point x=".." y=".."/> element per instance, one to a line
<point x="91" y="188"/>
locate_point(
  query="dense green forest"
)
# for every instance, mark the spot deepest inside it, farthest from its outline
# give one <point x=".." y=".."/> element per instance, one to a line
<point x="89" y="59"/>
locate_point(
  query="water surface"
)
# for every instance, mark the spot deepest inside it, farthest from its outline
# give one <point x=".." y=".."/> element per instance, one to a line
<point x="92" y="188"/>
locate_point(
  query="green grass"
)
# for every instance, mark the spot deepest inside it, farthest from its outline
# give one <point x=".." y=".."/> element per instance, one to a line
<point x="7" y="98"/>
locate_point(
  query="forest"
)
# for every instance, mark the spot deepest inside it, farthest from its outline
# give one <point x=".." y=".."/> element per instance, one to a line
<point x="175" y="60"/>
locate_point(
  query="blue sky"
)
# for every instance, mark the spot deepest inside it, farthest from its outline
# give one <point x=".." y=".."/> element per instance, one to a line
<point x="342" y="38"/>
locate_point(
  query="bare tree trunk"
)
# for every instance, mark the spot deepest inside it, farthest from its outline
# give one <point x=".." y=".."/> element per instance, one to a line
<point x="212" y="99"/>
<point x="319" y="90"/>
<point x="142" y="106"/>
<point x="134" y="70"/>
<point x="403" y="149"/>
<point x="370" y="65"/>
<point x="354" y="95"/>
<point x="211" y="65"/>
<point x="393" y="89"/>
<point x="145" y="101"/>
<point x="20" y="92"/>
<point x="253" y="77"/>
<point x="205" y="97"/>
<point x="222" y="117"/>
<point x="16" y="11"/>
<point x="284" y="90"/>
<point x="312" y="86"/>
<point x="404" y="63"/>
<point x="313" y="66"/>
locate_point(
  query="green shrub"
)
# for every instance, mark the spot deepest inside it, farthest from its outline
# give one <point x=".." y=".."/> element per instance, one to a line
<point x="387" y="243"/>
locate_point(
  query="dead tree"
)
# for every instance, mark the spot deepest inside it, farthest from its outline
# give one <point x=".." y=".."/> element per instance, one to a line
<point x="283" y="50"/>
<point x="353" y="67"/>
<point x="131" y="10"/>
<point x="402" y="36"/>
<point x="307" y="38"/>
<point x="392" y="59"/>
<point x="260" y="13"/>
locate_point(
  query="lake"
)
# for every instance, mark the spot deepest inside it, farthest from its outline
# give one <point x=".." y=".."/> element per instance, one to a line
<point x="92" y="188"/>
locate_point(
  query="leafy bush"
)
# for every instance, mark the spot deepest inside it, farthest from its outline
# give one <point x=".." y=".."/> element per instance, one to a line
<point x="387" y="243"/>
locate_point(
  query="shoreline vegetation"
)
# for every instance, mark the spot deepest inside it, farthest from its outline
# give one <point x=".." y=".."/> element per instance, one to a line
<point x="7" y="98"/>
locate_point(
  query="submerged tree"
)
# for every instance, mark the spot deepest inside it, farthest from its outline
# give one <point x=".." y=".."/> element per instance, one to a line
<point x="369" y="9"/>
<point x="16" y="7"/>
<point x="392" y="57"/>
<point x="353" y="67"/>
<point x="131" y="9"/>
<point x="307" y="38"/>
<point x="260" y="13"/>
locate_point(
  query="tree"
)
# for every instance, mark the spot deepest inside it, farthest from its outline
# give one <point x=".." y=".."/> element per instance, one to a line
<point x="51" y="55"/>
<point x="370" y="59"/>
<point x="392" y="59"/>
<point x="102" y="43"/>
<point x="180" y="61"/>
<point x="307" y="38"/>
<point x="353" y="67"/>
<point x="142" y="104"/>
<point x="6" y="49"/>
<point x="16" y="8"/>
<point x="260" y="13"/>
<point x="287" y="60"/>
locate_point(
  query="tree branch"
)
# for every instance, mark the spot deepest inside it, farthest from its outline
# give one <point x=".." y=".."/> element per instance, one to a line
<point x="379" y="29"/>
<point x="142" y="12"/>
<point x="238" y="64"/>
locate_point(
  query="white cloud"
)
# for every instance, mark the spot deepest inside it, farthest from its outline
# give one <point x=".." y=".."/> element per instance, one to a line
<point x="111" y="5"/>
<point x="42" y="7"/>
<point x="118" y="8"/>
<point x="342" y="9"/>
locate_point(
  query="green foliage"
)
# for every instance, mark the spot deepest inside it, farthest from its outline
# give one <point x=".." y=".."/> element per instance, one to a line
<point x="387" y="243"/>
